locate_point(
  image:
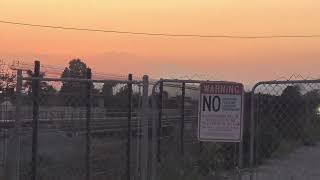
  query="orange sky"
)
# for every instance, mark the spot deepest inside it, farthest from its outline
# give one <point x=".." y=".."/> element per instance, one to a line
<point x="244" y="60"/>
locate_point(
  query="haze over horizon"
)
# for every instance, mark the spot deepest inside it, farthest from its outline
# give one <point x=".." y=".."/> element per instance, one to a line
<point x="242" y="60"/>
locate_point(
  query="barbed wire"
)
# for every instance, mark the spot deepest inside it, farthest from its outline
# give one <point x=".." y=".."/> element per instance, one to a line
<point x="295" y="76"/>
<point x="196" y="76"/>
<point x="56" y="71"/>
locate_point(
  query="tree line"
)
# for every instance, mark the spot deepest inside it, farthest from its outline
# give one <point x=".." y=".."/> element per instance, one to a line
<point x="69" y="93"/>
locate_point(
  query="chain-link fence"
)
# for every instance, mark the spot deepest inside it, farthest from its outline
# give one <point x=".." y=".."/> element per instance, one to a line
<point x="75" y="128"/>
<point x="180" y="155"/>
<point x="84" y="128"/>
<point x="7" y="116"/>
<point x="286" y="130"/>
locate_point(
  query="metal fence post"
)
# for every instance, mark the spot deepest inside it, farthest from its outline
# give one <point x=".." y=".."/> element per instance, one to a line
<point x="12" y="162"/>
<point x="252" y="124"/>
<point x="129" y="127"/>
<point x="145" y="129"/>
<point x="240" y="166"/>
<point x="88" y="119"/>
<point x="138" y="148"/>
<point x="240" y="144"/>
<point x="156" y="128"/>
<point x="252" y="130"/>
<point x="160" y="121"/>
<point x="257" y="129"/>
<point x="18" y="119"/>
<point x="35" y="92"/>
<point x="182" y="118"/>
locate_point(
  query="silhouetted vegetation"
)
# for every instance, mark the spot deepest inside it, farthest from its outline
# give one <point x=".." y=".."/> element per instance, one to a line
<point x="7" y="83"/>
<point x="75" y="93"/>
<point x="285" y="121"/>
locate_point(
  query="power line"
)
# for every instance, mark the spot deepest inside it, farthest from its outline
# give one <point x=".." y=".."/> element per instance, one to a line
<point x="159" y="34"/>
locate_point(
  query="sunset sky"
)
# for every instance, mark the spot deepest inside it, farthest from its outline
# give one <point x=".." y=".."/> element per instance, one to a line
<point x="243" y="60"/>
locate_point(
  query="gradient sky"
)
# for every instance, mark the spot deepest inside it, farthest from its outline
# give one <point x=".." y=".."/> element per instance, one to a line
<point x="243" y="60"/>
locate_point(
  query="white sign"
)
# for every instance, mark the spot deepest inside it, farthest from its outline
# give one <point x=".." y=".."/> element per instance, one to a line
<point x="220" y="112"/>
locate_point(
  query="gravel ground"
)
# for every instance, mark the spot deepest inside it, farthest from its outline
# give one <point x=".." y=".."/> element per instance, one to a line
<point x="303" y="164"/>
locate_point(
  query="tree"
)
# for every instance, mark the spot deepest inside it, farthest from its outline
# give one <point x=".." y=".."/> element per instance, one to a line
<point x="107" y="93"/>
<point x="44" y="86"/>
<point x="292" y="112"/>
<point x="123" y="91"/>
<point x="7" y="83"/>
<point x="291" y="92"/>
<point x="74" y="91"/>
<point x="47" y="91"/>
<point x="121" y="97"/>
<point x="107" y="89"/>
<point x="78" y="70"/>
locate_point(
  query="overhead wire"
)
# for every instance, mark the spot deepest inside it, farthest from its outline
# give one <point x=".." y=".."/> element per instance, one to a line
<point x="159" y="34"/>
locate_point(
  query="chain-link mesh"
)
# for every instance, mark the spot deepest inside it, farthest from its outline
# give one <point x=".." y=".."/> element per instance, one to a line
<point x="6" y="117"/>
<point x="80" y="135"/>
<point x="87" y="129"/>
<point x="182" y="156"/>
<point x="287" y="119"/>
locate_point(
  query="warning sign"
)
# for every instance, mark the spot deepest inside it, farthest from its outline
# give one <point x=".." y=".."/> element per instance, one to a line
<point x="220" y="112"/>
